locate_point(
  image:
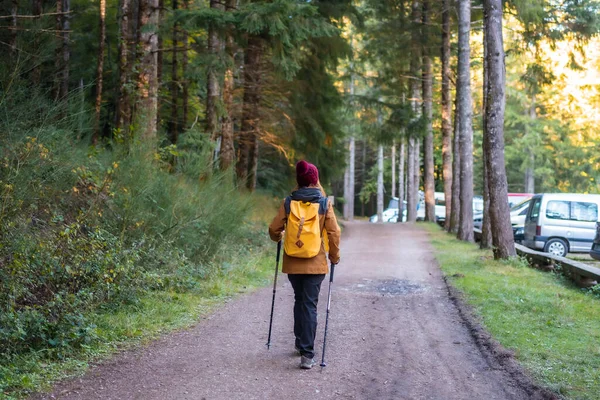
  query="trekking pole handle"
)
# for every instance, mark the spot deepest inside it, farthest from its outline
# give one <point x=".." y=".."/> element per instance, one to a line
<point x="331" y="272"/>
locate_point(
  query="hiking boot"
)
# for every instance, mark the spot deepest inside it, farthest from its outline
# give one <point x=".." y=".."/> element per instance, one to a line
<point x="306" y="363"/>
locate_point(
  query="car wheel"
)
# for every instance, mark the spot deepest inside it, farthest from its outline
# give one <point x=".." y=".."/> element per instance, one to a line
<point x="557" y="247"/>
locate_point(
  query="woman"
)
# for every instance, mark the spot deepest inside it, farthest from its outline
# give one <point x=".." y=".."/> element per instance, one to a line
<point x="306" y="268"/>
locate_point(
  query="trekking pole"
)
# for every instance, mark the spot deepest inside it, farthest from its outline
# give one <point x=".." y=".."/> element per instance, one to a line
<point x="323" y="365"/>
<point x="274" y="291"/>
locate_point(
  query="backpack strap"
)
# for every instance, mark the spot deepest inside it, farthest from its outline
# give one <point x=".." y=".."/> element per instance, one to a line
<point x="286" y="204"/>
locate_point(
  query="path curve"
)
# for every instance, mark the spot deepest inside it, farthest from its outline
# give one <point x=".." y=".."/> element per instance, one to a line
<point x="393" y="334"/>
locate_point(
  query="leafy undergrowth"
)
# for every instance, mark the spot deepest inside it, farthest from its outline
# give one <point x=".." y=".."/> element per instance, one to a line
<point x="151" y="315"/>
<point x="109" y="244"/>
<point x="552" y="326"/>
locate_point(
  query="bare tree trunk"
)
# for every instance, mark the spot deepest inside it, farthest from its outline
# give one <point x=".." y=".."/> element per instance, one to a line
<point x="486" y="227"/>
<point x="123" y="114"/>
<point x="529" y="171"/>
<point x="394" y="169"/>
<point x="502" y="234"/>
<point x="147" y="84"/>
<point x="100" y="71"/>
<point x="36" y="73"/>
<point x="212" y="82"/>
<point x="227" y="128"/>
<point x="413" y="143"/>
<point x="401" y="181"/>
<point x="380" y="184"/>
<point x="57" y="51"/>
<point x="363" y="174"/>
<point x="455" y="202"/>
<point x="428" y="178"/>
<point x="160" y="62"/>
<point x="411" y="194"/>
<point x="66" y="49"/>
<point x="247" y="149"/>
<point x="14" y="11"/>
<point x="174" y="119"/>
<point x="446" y="113"/>
<point x="350" y="170"/>
<point x="417" y="167"/>
<point x="465" y="225"/>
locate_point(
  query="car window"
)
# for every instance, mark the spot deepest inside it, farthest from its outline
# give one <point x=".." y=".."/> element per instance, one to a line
<point x="524" y="212"/>
<point x="535" y="210"/>
<point x="523" y="204"/>
<point x="557" y="209"/>
<point x="581" y="211"/>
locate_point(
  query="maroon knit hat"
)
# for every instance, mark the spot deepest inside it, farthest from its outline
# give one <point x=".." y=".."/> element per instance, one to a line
<point x="306" y="174"/>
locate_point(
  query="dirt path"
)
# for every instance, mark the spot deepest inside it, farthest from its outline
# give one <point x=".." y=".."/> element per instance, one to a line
<point x="394" y="334"/>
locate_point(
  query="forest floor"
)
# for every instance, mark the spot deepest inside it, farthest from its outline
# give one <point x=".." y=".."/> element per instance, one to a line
<point x="395" y="332"/>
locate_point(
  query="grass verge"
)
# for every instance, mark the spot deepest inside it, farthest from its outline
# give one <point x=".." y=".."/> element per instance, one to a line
<point x="552" y="326"/>
<point x="153" y="314"/>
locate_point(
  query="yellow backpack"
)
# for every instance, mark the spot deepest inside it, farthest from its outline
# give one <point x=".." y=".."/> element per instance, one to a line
<point x="303" y="237"/>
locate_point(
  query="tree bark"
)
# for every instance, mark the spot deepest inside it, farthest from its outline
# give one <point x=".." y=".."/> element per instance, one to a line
<point x="100" y="72"/>
<point x="446" y="113"/>
<point x="349" y="193"/>
<point x="413" y="143"/>
<point x="227" y="127"/>
<point x="14" y="11"/>
<point x="174" y="119"/>
<point x="411" y="194"/>
<point x="455" y="202"/>
<point x="486" y="227"/>
<point x="36" y="73"/>
<point x="401" y="179"/>
<point x="428" y="178"/>
<point x="212" y="81"/>
<point x="160" y="63"/>
<point x="465" y="225"/>
<point x="66" y="49"/>
<point x="394" y="169"/>
<point x="248" y="144"/>
<point x="147" y="83"/>
<point x="502" y="234"/>
<point x="123" y="114"/>
<point x="380" y="184"/>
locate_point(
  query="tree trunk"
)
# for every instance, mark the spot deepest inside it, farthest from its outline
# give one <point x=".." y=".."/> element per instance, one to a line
<point x="380" y="184"/>
<point x="486" y="226"/>
<point x="248" y="145"/>
<point x="363" y="174"/>
<point x="227" y="127"/>
<point x="455" y="202"/>
<point x="394" y="169"/>
<point x="350" y="169"/>
<point x="529" y="171"/>
<point x="160" y="63"/>
<point x="36" y="73"/>
<point x="411" y="194"/>
<point x="123" y="114"/>
<point x="413" y="143"/>
<point x="66" y="49"/>
<point x="14" y="11"/>
<point x="428" y="178"/>
<point x="465" y="225"/>
<point x="446" y="113"/>
<point x="418" y="167"/>
<point x="212" y="81"/>
<point x="502" y="234"/>
<point x="147" y="84"/>
<point x="100" y="71"/>
<point x="401" y="179"/>
<point x="174" y="119"/>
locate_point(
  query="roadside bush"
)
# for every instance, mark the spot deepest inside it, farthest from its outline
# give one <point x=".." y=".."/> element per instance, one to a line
<point x="83" y="228"/>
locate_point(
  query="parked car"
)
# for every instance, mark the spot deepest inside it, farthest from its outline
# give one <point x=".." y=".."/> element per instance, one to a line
<point x="595" y="251"/>
<point x="440" y="207"/>
<point x="390" y="214"/>
<point x="518" y="212"/>
<point x="518" y="198"/>
<point x="561" y="223"/>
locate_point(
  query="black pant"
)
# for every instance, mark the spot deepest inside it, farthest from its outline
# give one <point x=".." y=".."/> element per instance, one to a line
<point x="306" y="296"/>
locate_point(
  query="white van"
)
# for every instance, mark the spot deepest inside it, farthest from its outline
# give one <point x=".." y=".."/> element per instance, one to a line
<point x="560" y="223"/>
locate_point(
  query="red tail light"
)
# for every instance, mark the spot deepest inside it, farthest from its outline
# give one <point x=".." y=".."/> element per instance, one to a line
<point x="538" y="231"/>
